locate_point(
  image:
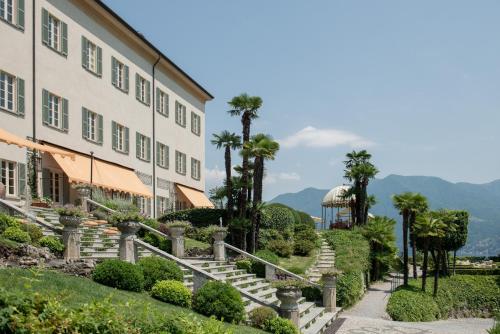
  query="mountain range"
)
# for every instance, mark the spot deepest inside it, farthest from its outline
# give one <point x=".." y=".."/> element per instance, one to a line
<point x="482" y="201"/>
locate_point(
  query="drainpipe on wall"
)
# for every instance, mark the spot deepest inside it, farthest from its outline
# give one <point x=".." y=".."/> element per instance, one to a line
<point x="33" y="99"/>
<point x="153" y="148"/>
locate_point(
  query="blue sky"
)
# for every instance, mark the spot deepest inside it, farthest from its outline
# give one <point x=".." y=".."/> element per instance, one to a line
<point x="416" y="83"/>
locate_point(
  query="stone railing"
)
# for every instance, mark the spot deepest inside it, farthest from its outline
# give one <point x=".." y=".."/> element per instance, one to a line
<point x="14" y="210"/>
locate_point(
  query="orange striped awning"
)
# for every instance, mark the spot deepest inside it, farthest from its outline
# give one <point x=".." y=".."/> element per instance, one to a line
<point x="197" y="198"/>
<point x="11" y="139"/>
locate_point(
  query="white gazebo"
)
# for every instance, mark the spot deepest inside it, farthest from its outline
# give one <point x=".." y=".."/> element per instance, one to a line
<point x="340" y="205"/>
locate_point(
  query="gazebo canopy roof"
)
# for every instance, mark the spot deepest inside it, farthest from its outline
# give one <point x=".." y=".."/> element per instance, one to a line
<point x="336" y="198"/>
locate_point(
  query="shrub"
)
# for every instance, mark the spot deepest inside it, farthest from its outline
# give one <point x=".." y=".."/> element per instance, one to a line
<point x="349" y="288"/>
<point x="220" y="300"/>
<point x="198" y="216"/>
<point x="7" y="221"/>
<point x="267" y="234"/>
<point x="70" y="210"/>
<point x="151" y="223"/>
<point x="126" y="216"/>
<point x="259" y="268"/>
<point x="157" y="269"/>
<point x="280" y="326"/>
<point x="119" y="274"/>
<point x="35" y="232"/>
<point x="16" y="234"/>
<point x="280" y="247"/>
<point x="259" y="315"/>
<point x="296" y="270"/>
<point x="409" y="304"/>
<point x="303" y="247"/>
<point x="244" y="264"/>
<point x="203" y="234"/>
<point x="278" y="218"/>
<point x="54" y="244"/>
<point x="172" y="292"/>
<point x="306" y="219"/>
<point x="312" y="294"/>
<point x="306" y="234"/>
<point x="178" y="223"/>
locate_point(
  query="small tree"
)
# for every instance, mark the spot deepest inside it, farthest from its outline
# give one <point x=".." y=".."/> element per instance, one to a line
<point x="457" y="238"/>
<point x="380" y="234"/>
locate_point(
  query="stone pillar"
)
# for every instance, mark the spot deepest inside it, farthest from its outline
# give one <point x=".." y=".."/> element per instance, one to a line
<point x="270" y="273"/>
<point x="177" y="234"/>
<point x="127" y="248"/>
<point x="289" y="306"/>
<point x="198" y="281"/>
<point x="219" y="248"/>
<point x="84" y="193"/>
<point x="329" y="292"/>
<point x="71" y="237"/>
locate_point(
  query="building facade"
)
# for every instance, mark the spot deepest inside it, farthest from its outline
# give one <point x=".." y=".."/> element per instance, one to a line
<point x="76" y="76"/>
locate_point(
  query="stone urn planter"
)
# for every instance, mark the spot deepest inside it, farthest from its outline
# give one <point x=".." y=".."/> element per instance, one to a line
<point x="176" y="230"/>
<point x="70" y="221"/>
<point x="219" y="249"/>
<point x="289" y="307"/>
<point x="128" y="228"/>
<point x="127" y="248"/>
<point x="70" y="235"/>
<point x="329" y="279"/>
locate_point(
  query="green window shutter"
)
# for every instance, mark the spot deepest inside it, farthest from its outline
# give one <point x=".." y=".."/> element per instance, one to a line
<point x="45" y="106"/>
<point x="64" y="39"/>
<point x="65" y="123"/>
<point x="126" y="140"/>
<point x="45" y="26"/>
<point x="100" y="131"/>
<point x="148" y="205"/>
<point x="85" y="122"/>
<point x="157" y="98"/>
<point x="167" y="156"/>
<point x="184" y="117"/>
<point x="21" y="179"/>
<point x="114" y="135"/>
<point x="192" y="122"/>
<point x="99" y="61"/>
<point x="20" y="14"/>
<point x="166" y="105"/>
<point x="148" y="155"/>
<point x="138" y="145"/>
<point x="85" y="58"/>
<point x="158" y="147"/>
<point x="125" y="77"/>
<point x="20" y="97"/>
<point x="113" y="71"/>
<point x="137" y="87"/>
<point x="148" y="93"/>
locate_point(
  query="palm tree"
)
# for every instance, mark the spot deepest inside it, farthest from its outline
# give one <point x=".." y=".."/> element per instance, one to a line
<point x="419" y="206"/>
<point x="247" y="107"/>
<point x="371" y="200"/>
<point x="229" y="141"/>
<point x="359" y="170"/>
<point x="380" y="234"/>
<point x="262" y="147"/>
<point x="404" y="203"/>
<point x="217" y="195"/>
<point x="430" y="229"/>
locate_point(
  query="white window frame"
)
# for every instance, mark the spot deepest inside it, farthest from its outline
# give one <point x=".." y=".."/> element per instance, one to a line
<point x="142" y="203"/>
<point x="120" y="138"/>
<point x="196" y="124"/>
<point x="5" y="6"/>
<point x="120" y="74"/>
<point x="54" y="33"/>
<point x="7" y="91"/>
<point x="9" y="177"/>
<point x="55" y="111"/>
<point x="180" y="114"/>
<point x="92" y="126"/>
<point x="143" y="147"/>
<point x="164" y="152"/>
<point x="162" y="205"/>
<point x="180" y="162"/>
<point x="91" y="56"/>
<point x="195" y="169"/>
<point x="164" y="100"/>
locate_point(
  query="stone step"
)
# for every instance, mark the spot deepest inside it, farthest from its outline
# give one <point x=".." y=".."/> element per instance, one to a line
<point x="240" y="278"/>
<point x="309" y="318"/>
<point x="257" y="287"/>
<point x="248" y="283"/>
<point x="251" y="306"/>
<point x="205" y="263"/>
<point x="320" y="324"/>
<point x="221" y="268"/>
<point x="305" y="307"/>
<point x="229" y="273"/>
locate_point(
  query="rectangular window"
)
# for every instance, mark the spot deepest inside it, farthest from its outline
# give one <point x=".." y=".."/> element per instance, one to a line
<point x="92" y="126"/>
<point x="180" y="162"/>
<point x="180" y="114"/>
<point x="7" y="91"/>
<point x="143" y="147"/>
<point x="119" y="74"/>
<point x="162" y="102"/>
<point x="91" y="57"/>
<point x="144" y="205"/>
<point x="162" y="205"/>
<point x="142" y="87"/>
<point x="195" y="123"/>
<point x="54" y="111"/>
<point x="162" y="152"/>
<point x="7" y="10"/>
<point x="195" y="169"/>
<point x="120" y="137"/>
<point x="8" y="177"/>
<point x="54" y="33"/>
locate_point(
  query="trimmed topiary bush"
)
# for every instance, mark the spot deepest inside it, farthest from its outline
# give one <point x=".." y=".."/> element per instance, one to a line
<point x="303" y="247"/>
<point x="172" y="292"/>
<point x="259" y="268"/>
<point x="278" y="218"/>
<point x="156" y="269"/>
<point x="119" y="274"/>
<point x="54" y="244"/>
<point x="409" y="304"/>
<point x="280" y="326"/>
<point x="280" y="247"/>
<point x="259" y="315"/>
<point x="220" y="300"/>
<point x="16" y="234"/>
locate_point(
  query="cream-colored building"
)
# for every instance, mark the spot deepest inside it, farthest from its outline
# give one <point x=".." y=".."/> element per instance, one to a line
<point x="74" y="75"/>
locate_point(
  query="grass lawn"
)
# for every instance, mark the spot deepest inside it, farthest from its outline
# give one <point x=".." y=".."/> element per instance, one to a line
<point x="298" y="264"/>
<point x="76" y="291"/>
<point x="191" y="243"/>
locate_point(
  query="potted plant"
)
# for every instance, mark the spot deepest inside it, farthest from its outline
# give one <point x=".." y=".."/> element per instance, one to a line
<point x="70" y="215"/>
<point x="218" y="232"/>
<point x="83" y="189"/>
<point x="177" y="228"/>
<point x="288" y="291"/>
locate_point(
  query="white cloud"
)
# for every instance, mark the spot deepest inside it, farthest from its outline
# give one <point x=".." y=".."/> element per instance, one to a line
<point x="322" y="138"/>
<point x="271" y="178"/>
<point x="289" y="176"/>
<point x="215" y="175"/>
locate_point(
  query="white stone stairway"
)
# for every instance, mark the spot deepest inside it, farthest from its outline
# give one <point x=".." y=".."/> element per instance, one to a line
<point x="325" y="261"/>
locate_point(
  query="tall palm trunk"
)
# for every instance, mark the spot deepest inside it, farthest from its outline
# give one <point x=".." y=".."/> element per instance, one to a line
<point x="405" y="248"/>
<point x="413" y="242"/>
<point x="229" y="183"/>
<point x="436" y="272"/>
<point x="258" y="176"/>
<point x="245" y="121"/>
<point x="425" y="263"/>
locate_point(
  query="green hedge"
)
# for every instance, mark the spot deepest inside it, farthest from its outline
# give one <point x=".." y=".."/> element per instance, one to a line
<point x="172" y="292"/>
<point x="119" y="274"/>
<point x="198" y="217"/>
<point x="157" y="269"/>
<point x="477" y="271"/>
<point x="221" y="300"/>
<point x="458" y="296"/>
